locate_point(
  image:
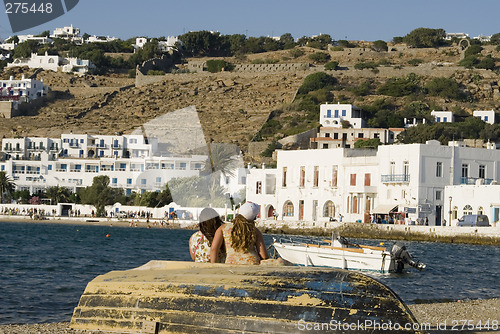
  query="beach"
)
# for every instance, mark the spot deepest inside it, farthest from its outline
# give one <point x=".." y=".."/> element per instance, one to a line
<point x="471" y="316"/>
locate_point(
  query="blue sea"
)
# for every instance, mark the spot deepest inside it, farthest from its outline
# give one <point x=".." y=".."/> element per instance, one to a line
<point x="44" y="268"/>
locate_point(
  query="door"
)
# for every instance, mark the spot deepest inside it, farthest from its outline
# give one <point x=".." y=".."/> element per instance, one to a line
<point x="438" y="215"/>
<point x="301" y="209"/>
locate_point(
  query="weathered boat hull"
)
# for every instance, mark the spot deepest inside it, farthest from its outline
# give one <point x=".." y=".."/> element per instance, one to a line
<point x="187" y="297"/>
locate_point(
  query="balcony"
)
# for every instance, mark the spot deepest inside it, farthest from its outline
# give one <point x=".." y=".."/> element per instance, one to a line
<point x="396" y="178"/>
<point x="475" y="180"/>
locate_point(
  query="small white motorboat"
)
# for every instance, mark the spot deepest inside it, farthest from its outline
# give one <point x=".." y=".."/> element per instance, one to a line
<point x="340" y="253"/>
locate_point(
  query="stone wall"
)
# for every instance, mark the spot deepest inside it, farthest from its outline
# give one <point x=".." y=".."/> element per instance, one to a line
<point x="298" y="141"/>
<point x="7" y="110"/>
<point x="271" y="67"/>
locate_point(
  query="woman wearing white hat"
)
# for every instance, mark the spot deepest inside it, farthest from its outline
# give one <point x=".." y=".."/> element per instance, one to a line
<point x="243" y="241"/>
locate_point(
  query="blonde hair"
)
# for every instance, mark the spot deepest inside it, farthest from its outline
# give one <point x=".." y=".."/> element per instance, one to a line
<point x="243" y="235"/>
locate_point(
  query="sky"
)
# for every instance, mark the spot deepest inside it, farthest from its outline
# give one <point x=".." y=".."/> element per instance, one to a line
<point x="367" y="20"/>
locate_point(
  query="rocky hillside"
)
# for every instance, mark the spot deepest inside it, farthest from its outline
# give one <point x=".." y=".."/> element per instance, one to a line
<point x="232" y="107"/>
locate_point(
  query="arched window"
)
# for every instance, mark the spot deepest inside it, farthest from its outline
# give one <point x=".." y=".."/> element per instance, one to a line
<point x="329" y="209"/>
<point x="51" y="61"/>
<point x="480" y="210"/>
<point x="455" y="212"/>
<point x="288" y="209"/>
<point x="467" y="210"/>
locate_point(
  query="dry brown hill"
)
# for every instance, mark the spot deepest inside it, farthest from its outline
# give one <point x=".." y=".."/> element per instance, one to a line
<point x="232" y="107"/>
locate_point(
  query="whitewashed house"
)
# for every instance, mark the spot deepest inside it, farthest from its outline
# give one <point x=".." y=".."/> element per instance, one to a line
<point x="442" y="116"/>
<point x="54" y="63"/>
<point x="332" y="115"/>
<point x="487" y="116"/>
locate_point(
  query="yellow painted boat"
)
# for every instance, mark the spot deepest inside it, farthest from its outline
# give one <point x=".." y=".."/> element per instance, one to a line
<point x="187" y="297"/>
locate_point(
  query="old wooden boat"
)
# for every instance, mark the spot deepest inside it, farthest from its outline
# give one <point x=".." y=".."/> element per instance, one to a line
<point x="187" y="297"/>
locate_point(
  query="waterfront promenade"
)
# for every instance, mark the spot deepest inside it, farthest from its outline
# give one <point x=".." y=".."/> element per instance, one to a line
<point x="453" y="234"/>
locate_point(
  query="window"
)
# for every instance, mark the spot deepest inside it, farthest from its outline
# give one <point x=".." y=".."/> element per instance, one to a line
<point x="376" y="135"/>
<point x="335" y="135"/>
<point x="439" y="169"/>
<point x="438" y="195"/>
<point x="336" y="114"/>
<point x="480" y="210"/>
<point x="316" y="176"/>
<point x="355" y="204"/>
<point x="143" y="181"/>
<point x="283" y="181"/>
<point x="344" y="113"/>
<point x="406" y="168"/>
<point x="258" y="187"/>
<point x="353" y="179"/>
<point x="325" y="145"/>
<point x="327" y="135"/>
<point x="334" y="176"/>
<point x="288" y="209"/>
<point x="445" y="119"/>
<point x="129" y="181"/>
<point x="114" y="180"/>
<point x="49" y="167"/>
<point x="486" y="118"/>
<point x="467" y="210"/>
<point x="182" y="165"/>
<point x="482" y="171"/>
<point x="368" y="178"/>
<point x="328" y="113"/>
<point x="302" y="180"/>
<point x="438" y="119"/>
<point x="465" y="170"/>
<point x="361" y="135"/>
<point x="329" y="209"/>
<point x="392" y="168"/>
<point x="158" y="180"/>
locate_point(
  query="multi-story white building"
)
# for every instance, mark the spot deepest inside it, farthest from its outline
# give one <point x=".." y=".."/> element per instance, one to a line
<point x="23" y="90"/>
<point x="333" y="115"/>
<point x="131" y="162"/>
<point x="54" y="63"/>
<point x="394" y="180"/>
<point x="66" y="33"/>
<point x="333" y="137"/>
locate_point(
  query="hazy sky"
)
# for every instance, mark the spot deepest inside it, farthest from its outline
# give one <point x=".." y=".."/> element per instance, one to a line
<point x="343" y="19"/>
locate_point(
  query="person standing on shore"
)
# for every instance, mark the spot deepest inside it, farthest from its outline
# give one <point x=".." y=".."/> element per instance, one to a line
<point x="243" y="241"/>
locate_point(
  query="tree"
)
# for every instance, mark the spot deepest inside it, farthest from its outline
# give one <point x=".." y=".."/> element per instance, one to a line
<point x="7" y="186"/>
<point x="445" y="87"/>
<point x="25" y="49"/>
<point x="317" y="81"/>
<point x="57" y="194"/>
<point x="425" y="38"/>
<point x="399" y="87"/>
<point x="319" y="57"/>
<point x="100" y="194"/>
<point x="205" y="44"/>
<point x="379" y="46"/>
<point x="287" y="41"/>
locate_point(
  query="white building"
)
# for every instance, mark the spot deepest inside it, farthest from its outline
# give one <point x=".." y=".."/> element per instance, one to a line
<point x="39" y="39"/>
<point x="140" y="42"/>
<point x="443" y="116"/>
<point x="394" y="181"/>
<point x="333" y="137"/>
<point x="66" y="33"/>
<point x="100" y="39"/>
<point x="54" y="63"/>
<point x="487" y="116"/>
<point x="459" y="35"/>
<point x="131" y="162"/>
<point x="23" y="90"/>
<point x="333" y="115"/>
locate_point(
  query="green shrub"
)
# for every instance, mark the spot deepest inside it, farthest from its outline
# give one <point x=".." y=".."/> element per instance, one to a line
<point x="337" y="48"/>
<point x="331" y="65"/>
<point x="469" y="62"/>
<point x="218" y="65"/>
<point x="444" y="87"/>
<point x="296" y="53"/>
<point x="319" y="57"/>
<point x="473" y="50"/>
<point x="317" y="81"/>
<point x="268" y="152"/>
<point x="155" y="72"/>
<point x="362" y="90"/>
<point x="487" y="63"/>
<point x="415" y="62"/>
<point x="399" y="87"/>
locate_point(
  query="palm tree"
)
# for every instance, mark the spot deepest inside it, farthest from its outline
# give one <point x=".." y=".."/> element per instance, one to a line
<point x="7" y="185"/>
<point x="57" y="194"/>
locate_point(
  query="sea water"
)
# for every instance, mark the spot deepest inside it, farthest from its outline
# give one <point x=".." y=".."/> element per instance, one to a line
<point x="44" y="268"/>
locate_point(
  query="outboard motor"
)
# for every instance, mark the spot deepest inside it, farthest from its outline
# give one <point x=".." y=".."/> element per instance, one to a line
<point x="400" y="256"/>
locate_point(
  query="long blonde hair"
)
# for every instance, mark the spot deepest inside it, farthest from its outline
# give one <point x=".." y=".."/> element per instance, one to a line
<point x="243" y="235"/>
